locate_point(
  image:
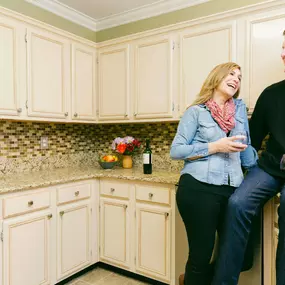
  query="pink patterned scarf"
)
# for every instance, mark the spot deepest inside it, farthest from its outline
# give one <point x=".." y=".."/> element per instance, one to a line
<point x="226" y="117"/>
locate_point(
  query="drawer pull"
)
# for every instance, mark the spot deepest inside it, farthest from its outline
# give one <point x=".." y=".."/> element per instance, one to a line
<point x="49" y="216"/>
<point x="30" y="203"/>
<point x="76" y="193"/>
<point x="150" y="195"/>
<point x="112" y="190"/>
<point x="61" y="213"/>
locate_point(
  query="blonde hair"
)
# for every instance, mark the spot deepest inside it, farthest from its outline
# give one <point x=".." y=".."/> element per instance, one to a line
<point x="215" y="77"/>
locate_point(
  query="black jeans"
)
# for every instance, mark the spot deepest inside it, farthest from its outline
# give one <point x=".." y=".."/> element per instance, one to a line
<point x="203" y="214"/>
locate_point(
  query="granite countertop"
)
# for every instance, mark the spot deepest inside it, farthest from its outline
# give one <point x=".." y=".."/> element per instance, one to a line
<point x="32" y="180"/>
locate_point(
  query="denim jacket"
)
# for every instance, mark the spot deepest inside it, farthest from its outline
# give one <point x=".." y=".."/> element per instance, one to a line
<point x="196" y="129"/>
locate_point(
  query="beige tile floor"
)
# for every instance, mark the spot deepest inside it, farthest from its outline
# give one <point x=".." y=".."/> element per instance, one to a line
<point x="100" y="276"/>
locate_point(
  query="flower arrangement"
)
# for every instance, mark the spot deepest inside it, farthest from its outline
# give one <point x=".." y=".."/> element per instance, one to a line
<point x="126" y="146"/>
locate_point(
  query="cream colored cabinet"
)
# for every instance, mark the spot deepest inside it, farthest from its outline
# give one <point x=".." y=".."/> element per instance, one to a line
<point x="48" y="74"/>
<point x="114" y="82"/>
<point x="83" y="82"/>
<point x="26" y="249"/>
<point x="74" y="238"/>
<point x="12" y="59"/>
<point x="153" y="77"/>
<point x="264" y="38"/>
<point x="115" y="232"/>
<point x="201" y="49"/>
<point x="153" y="241"/>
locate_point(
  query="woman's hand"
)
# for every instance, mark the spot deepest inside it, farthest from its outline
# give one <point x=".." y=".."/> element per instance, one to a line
<point x="227" y="144"/>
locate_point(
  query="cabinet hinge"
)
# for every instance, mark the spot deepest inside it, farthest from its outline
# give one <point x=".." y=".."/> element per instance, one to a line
<point x="1" y="236"/>
<point x="26" y="38"/>
<point x="26" y="104"/>
<point x="173" y="106"/>
<point x="97" y="60"/>
<point x="135" y="260"/>
<point x="173" y="45"/>
<point x="91" y="210"/>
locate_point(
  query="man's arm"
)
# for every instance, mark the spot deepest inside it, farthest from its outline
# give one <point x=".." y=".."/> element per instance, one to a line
<point x="258" y="123"/>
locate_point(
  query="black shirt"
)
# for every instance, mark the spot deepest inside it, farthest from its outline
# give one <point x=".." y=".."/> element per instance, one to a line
<point x="269" y="118"/>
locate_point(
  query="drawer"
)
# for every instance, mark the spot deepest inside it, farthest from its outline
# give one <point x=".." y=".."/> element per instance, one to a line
<point x="114" y="188"/>
<point x="153" y="194"/>
<point x="26" y="203"/>
<point x="73" y="192"/>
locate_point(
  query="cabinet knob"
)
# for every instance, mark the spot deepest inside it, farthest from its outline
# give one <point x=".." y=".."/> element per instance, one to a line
<point x="166" y="215"/>
<point x="30" y="203"/>
<point x="112" y="190"/>
<point x="61" y="213"/>
<point x="49" y="216"/>
<point x="66" y="114"/>
<point x="125" y="206"/>
<point x="150" y="195"/>
<point x="75" y="115"/>
<point x="19" y="110"/>
<point x="76" y="193"/>
<point x="126" y="115"/>
<point x="135" y="114"/>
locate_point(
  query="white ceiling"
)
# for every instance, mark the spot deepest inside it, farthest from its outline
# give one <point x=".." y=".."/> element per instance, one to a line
<point x="98" y="15"/>
<point x="98" y="9"/>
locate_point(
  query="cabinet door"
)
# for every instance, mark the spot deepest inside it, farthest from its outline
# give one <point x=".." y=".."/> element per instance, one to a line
<point x="48" y="74"/>
<point x="83" y="83"/>
<point x="263" y="49"/>
<point x="114" y="82"/>
<point x="153" y="241"/>
<point x="73" y="234"/>
<point x="201" y="49"/>
<point x="114" y="232"/>
<point x="26" y="246"/>
<point x="12" y="57"/>
<point x="154" y="77"/>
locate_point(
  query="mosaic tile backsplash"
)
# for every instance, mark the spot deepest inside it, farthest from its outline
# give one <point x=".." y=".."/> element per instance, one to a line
<point x="77" y="144"/>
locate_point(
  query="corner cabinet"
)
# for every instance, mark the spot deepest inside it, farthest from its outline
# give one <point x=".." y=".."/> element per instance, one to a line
<point x="153" y="77"/>
<point x="48" y="76"/>
<point x="83" y="91"/>
<point x="114" y="82"/>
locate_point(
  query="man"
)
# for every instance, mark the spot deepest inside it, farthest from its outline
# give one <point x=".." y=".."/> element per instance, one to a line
<point x="262" y="182"/>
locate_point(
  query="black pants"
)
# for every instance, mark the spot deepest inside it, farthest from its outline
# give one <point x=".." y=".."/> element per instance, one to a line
<point x="202" y="211"/>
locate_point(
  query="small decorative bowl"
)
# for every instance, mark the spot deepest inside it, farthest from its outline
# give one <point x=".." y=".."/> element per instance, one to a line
<point x="107" y="165"/>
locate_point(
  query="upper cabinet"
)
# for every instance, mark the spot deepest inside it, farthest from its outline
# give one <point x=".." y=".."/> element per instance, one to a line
<point x="48" y="77"/>
<point x="12" y="56"/>
<point x="114" y="82"/>
<point x="262" y="52"/>
<point x="83" y="82"/>
<point x="201" y="49"/>
<point x="153" y="77"/>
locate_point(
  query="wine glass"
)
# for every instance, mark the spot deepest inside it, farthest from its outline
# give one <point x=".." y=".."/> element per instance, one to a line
<point x="282" y="163"/>
<point x="244" y="139"/>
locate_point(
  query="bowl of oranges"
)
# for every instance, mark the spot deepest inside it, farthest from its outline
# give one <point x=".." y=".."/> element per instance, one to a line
<point x="108" y="161"/>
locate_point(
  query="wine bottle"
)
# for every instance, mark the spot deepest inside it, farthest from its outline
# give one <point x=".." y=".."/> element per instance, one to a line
<point x="147" y="159"/>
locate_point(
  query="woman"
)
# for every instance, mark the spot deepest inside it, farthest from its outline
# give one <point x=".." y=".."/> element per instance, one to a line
<point x="213" y="140"/>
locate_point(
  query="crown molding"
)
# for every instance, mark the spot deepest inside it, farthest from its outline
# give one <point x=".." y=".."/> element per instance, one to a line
<point x="140" y="13"/>
<point x="144" y="12"/>
<point x="66" y="12"/>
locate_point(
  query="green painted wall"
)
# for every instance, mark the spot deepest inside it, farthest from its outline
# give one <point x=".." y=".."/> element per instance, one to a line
<point x="35" y="12"/>
<point x="205" y="9"/>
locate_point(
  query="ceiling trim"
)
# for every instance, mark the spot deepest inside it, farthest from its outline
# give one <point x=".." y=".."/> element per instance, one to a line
<point x="66" y="12"/>
<point x="144" y="12"/>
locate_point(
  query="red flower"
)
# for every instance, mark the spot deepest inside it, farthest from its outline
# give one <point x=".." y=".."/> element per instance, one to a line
<point x="121" y="147"/>
<point x="130" y="147"/>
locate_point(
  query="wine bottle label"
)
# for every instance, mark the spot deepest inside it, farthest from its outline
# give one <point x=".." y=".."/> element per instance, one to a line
<point x="146" y="158"/>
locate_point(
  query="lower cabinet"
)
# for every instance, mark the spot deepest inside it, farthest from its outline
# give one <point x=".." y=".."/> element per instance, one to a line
<point x="114" y="232"/>
<point x="48" y="234"/>
<point x="135" y="228"/>
<point x="27" y="249"/>
<point x="73" y="238"/>
<point x="153" y="241"/>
